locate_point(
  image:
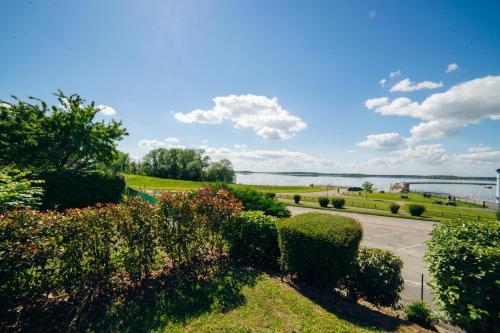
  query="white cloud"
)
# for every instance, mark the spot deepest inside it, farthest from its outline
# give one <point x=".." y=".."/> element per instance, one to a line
<point x="446" y="113"/>
<point x="372" y="14"/>
<point x="382" y="82"/>
<point x="406" y="85"/>
<point x="105" y="110"/>
<point x="264" y="115"/>
<point x="481" y="154"/>
<point x="153" y="143"/>
<point x="395" y="74"/>
<point x="350" y="151"/>
<point x="451" y="68"/>
<point x="385" y="141"/>
<point x="434" y="153"/>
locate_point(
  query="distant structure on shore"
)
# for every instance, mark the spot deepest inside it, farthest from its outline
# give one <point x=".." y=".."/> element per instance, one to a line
<point x="498" y="188"/>
<point x="400" y="187"/>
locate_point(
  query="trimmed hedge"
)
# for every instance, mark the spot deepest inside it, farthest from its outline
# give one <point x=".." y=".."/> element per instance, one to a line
<point x="323" y="201"/>
<point x="415" y="210"/>
<point x="70" y="189"/>
<point x="394" y="207"/>
<point x="271" y="195"/>
<point x="319" y="248"/>
<point x="338" y="202"/>
<point x="297" y="198"/>
<point x="464" y="263"/>
<point x="376" y="277"/>
<point x="253" y="238"/>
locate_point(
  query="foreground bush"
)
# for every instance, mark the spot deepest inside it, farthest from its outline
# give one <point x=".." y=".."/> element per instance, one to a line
<point x="323" y="201"/>
<point x="394" y="207"/>
<point x="376" y="277"/>
<point x="296" y="198"/>
<point x="17" y="191"/>
<point x="319" y="248"/>
<point x="253" y="238"/>
<point x="419" y="313"/>
<point x="463" y="258"/>
<point x="71" y="189"/>
<point x="415" y="210"/>
<point x="338" y="202"/>
<point x="80" y="254"/>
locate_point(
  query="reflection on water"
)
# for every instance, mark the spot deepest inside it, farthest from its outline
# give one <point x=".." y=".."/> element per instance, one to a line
<point x="477" y="192"/>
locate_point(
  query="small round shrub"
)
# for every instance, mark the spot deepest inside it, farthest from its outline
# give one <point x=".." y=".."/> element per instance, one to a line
<point x="419" y="313"/>
<point x="338" y="202"/>
<point x="415" y="210"/>
<point x="297" y="198"/>
<point x="323" y="201"/>
<point x="271" y="195"/>
<point x="498" y="215"/>
<point x="319" y="248"/>
<point x="463" y="258"/>
<point x="376" y="277"/>
<point x="254" y="238"/>
<point x="437" y="202"/>
<point x="394" y="208"/>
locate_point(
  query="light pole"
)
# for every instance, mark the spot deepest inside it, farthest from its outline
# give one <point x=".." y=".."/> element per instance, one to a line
<point x="498" y="188"/>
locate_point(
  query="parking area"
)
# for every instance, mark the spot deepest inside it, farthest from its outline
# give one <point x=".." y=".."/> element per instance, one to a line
<point x="405" y="237"/>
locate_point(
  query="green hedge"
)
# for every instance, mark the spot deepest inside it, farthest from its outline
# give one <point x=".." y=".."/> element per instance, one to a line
<point x="253" y="238"/>
<point x="319" y="248"/>
<point x="296" y="198"/>
<point x="376" y="277"/>
<point x="415" y="210"/>
<point x="338" y="203"/>
<point x="70" y="189"/>
<point x="464" y="263"/>
<point x="394" y="207"/>
<point x="323" y="201"/>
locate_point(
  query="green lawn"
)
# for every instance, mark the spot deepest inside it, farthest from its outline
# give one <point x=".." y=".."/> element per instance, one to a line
<point x="154" y="183"/>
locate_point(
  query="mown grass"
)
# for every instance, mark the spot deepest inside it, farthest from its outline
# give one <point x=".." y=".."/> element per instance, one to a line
<point x="155" y="183"/>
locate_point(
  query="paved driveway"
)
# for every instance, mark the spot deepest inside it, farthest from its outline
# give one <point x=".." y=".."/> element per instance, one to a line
<point x="405" y="237"/>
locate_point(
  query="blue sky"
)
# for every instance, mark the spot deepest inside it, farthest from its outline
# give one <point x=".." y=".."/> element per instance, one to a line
<point x="278" y="85"/>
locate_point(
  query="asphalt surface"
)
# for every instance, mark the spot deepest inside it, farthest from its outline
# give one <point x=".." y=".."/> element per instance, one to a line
<point x="405" y="237"/>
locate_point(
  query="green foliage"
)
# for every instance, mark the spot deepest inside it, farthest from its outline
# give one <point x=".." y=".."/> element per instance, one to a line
<point x="376" y="277"/>
<point x="498" y="215"/>
<point x="253" y="200"/>
<point x="253" y="238"/>
<point x="16" y="190"/>
<point x="270" y="195"/>
<point x="463" y="258"/>
<point x="83" y="254"/>
<point x="65" y="136"/>
<point x="367" y="187"/>
<point x="296" y="198"/>
<point x="419" y="313"/>
<point x="120" y="163"/>
<point x="221" y="171"/>
<point x="74" y="189"/>
<point x="323" y="201"/>
<point x="415" y="210"/>
<point x="176" y="163"/>
<point x="319" y="248"/>
<point x="394" y="207"/>
<point x="338" y="202"/>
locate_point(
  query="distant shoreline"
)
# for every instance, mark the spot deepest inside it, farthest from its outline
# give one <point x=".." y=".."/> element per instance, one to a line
<point x="361" y="175"/>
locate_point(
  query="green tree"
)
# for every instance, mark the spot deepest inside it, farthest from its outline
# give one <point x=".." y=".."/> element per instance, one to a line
<point x="121" y="163"/>
<point x="221" y="171"/>
<point x="65" y="136"/>
<point x="175" y="163"/>
<point x="16" y="190"/>
<point x="367" y="186"/>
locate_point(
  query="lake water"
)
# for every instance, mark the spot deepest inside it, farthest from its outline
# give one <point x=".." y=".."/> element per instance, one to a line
<point x="477" y="192"/>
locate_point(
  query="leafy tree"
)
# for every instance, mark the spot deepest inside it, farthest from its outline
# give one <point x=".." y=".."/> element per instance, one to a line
<point x="221" y="171"/>
<point x="175" y="163"/>
<point x="16" y="190"/>
<point x="367" y="186"/>
<point x="121" y="163"/>
<point x="65" y="136"/>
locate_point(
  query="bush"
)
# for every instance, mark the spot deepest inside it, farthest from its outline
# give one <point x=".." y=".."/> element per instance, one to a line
<point x="394" y="207"/>
<point x="437" y="202"/>
<point x="338" y="202"/>
<point x="297" y="198"/>
<point x="463" y="258"/>
<point x="319" y="248"/>
<point x="498" y="215"/>
<point x="415" y="210"/>
<point x="419" y="313"/>
<point x="17" y="191"/>
<point x="271" y="195"/>
<point x="254" y="238"/>
<point x="376" y="277"/>
<point x="70" y="189"/>
<point x="323" y="201"/>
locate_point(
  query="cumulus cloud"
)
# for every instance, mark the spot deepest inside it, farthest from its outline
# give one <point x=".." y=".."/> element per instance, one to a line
<point x="382" y="82"/>
<point x="446" y="113"/>
<point x="385" y="141"/>
<point x="395" y="74"/>
<point x="106" y="110"/>
<point x="481" y="154"/>
<point x="264" y="115"/>
<point x="406" y="85"/>
<point x="451" y="68"/>
<point x="153" y="143"/>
